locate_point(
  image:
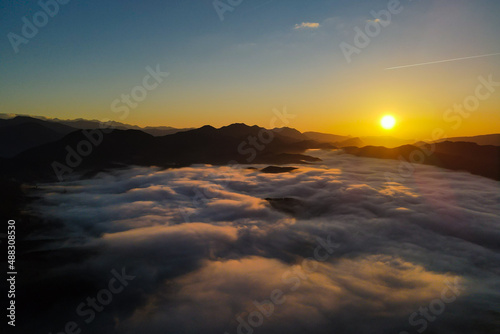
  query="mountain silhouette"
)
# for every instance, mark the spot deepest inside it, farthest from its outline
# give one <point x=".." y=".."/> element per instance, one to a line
<point x="325" y="137"/>
<point x="21" y="133"/>
<point x="80" y="123"/>
<point x="477" y="159"/>
<point x="36" y="149"/>
<point x="493" y="139"/>
<point x="91" y="151"/>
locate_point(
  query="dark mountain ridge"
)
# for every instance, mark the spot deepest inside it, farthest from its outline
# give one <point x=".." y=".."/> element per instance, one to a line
<point x="21" y="133"/>
<point x="35" y="149"/>
<point x="477" y="159"/>
<point x="84" y="153"/>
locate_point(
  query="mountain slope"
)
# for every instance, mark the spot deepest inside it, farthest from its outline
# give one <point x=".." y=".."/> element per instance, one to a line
<point x="227" y="145"/>
<point x="18" y="120"/>
<point x="325" y="137"/>
<point x="21" y="133"/>
<point x="92" y="124"/>
<point x="476" y="159"/>
<point x="386" y="141"/>
<point x="493" y="139"/>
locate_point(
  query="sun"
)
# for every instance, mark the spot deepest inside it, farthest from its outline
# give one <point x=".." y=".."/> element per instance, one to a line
<point x="388" y="122"/>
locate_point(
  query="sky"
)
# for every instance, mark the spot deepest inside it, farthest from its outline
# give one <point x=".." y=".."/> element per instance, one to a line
<point x="241" y="62"/>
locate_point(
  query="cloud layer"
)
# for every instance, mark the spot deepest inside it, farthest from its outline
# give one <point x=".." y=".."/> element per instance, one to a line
<point x="349" y="251"/>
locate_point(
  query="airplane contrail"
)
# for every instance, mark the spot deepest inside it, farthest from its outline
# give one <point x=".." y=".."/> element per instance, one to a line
<point x="442" y="61"/>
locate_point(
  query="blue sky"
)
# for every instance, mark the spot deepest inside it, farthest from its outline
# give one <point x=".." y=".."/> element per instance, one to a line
<point x="239" y="69"/>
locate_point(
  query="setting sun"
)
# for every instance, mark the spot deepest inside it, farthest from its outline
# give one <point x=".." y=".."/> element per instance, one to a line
<point x="388" y="122"/>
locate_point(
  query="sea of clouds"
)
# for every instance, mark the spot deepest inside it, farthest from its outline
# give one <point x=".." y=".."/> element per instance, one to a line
<point x="339" y="248"/>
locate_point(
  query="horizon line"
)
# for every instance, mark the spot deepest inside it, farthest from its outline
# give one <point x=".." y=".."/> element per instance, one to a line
<point x="142" y="128"/>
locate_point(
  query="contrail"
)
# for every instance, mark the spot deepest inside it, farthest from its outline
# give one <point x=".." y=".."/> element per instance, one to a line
<point x="442" y="61"/>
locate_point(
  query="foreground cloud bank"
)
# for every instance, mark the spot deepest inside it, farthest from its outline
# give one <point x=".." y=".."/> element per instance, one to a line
<point x="329" y="247"/>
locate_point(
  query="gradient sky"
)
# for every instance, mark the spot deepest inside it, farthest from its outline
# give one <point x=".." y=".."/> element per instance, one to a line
<point x="240" y="69"/>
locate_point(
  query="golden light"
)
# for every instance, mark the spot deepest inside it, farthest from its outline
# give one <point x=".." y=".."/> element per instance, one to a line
<point x="388" y="122"/>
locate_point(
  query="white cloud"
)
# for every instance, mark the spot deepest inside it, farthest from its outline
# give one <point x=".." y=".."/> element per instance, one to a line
<point x="397" y="242"/>
<point x="220" y="290"/>
<point x="307" y="25"/>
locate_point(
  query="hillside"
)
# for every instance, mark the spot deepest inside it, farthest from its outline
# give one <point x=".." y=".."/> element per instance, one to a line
<point x="462" y="156"/>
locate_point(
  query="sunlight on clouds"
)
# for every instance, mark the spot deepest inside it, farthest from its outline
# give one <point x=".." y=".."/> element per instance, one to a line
<point x="152" y="233"/>
<point x="307" y="25"/>
<point x="395" y="189"/>
<point x="374" y="286"/>
<point x="205" y="243"/>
